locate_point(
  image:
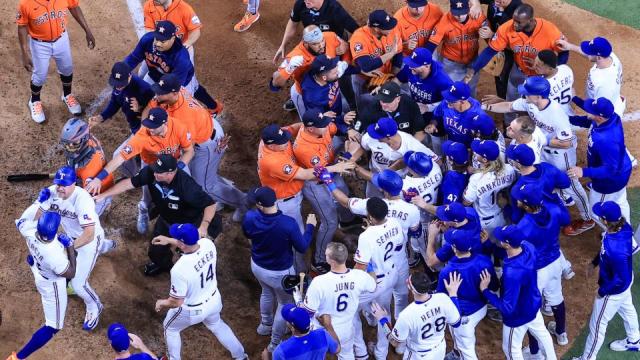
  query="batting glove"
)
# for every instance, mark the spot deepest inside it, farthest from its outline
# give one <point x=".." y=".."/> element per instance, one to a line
<point x="322" y="174"/>
<point x="293" y="63"/>
<point x="297" y="295"/>
<point x="65" y="240"/>
<point x="342" y="67"/>
<point x="44" y="195"/>
<point x="409" y="194"/>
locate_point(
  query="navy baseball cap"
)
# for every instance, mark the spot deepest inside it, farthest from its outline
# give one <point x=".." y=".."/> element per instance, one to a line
<point x="456" y="151"/>
<point x="457" y="91"/>
<point x="459" y="7"/>
<point x="530" y="194"/>
<point x="451" y="212"/>
<point x="156" y="118"/>
<point x="297" y="317"/>
<point x="389" y="181"/>
<point x="263" y="196"/>
<point x="599" y="46"/>
<point x="165" y="163"/>
<point x="322" y="63"/>
<point x="120" y="74"/>
<point x="187" y="233"/>
<point x="168" y="83"/>
<point x="164" y="30"/>
<point x="315" y="118"/>
<point x="388" y="92"/>
<point x="385" y="127"/>
<point x="419" y="57"/>
<point x="273" y="134"/>
<point x="608" y="210"/>
<point x="483" y="124"/>
<point x="459" y="238"/>
<point x="521" y="153"/>
<point x="416" y="3"/>
<point x="381" y="20"/>
<point x="119" y="337"/>
<point x="599" y="107"/>
<point x="488" y="149"/>
<point x="509" y="234"/>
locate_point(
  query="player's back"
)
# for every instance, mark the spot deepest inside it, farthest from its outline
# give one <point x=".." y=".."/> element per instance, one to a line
<point x="427" y="321"/>
<point x="470" y="297"/>
<point x="427" y="186"/>
<point x="483" y="189"/>
<point x="542" y="230"/>
<point x="50" y="257"/>
<point x="561" y="87"/>
<point x="197" y="271"/>
<point x="379" y="243"/>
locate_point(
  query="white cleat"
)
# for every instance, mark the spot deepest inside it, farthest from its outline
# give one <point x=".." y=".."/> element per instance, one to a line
<point x="37" y="113"/>
<point x="91" y="320"/>
<point x="107" y="246"/>
<point x="264" y="330"/>
<point x="625" y="345"/>
<point x="72" y="104"/>
<point x="561" y="339"/>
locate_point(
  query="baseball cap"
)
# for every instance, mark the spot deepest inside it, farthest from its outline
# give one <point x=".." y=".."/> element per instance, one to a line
<point x="599" y="46"/>
<point x="416" y="3"/>
<point x="451" y="212"/>
<point x="164" y="30"/>
<point x="459" y="238"/>
<point x="608" y="210"/>
<point x="263" y="196"/>
<point x="273" y="134"/>
<point x="459" y="7"/>
<point x="388" y="92"/>
<point x="484" y="124"/>
<point x="65" y="176"/>
<point x="156" y="118"/>
<point x="382" y="20"/>
<point x="419" y="57"/>
<point x="385" y="127"/>
<point x="322" y="63"/>
<point x="456" y="151"/>
<point x="488" y="149"/>
<point x="549" y="58"/>
<point x="297" y="317"/>
<point x="120" y="74"/>
<point x="164" y="164"/>
<point x="530" y="194"/>
<point x="168" y="83"/>
<point x="315" y="117"/>
<point x="599" y="107"/>
<point x="521" y="153"/>
<point x="457" y="91"/>
<point x="119" y="337"/>
<point x="187" y="233"/>
<point x="509" y="234"/>
<point x="388" y="180"/>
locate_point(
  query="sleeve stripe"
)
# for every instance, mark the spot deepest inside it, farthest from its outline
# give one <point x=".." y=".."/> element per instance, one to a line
<point x="87" y="225"/>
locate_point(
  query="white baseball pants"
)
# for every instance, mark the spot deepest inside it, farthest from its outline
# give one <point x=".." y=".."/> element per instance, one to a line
<point x="564" y="159"/>
<point x="42" y="52"/>
<point x="550" y="282"/>
<point x="512" y="339"/>
<point x="438" y="352"/>
<point x="400" y="290"/>
<point x="382" y="296"/>
<point x="464" y="336"/>
<point x="53" y="294"/>
<point x="85" y="261"/>
<point x="292" y="206"/>
<point x="619" y="197"/>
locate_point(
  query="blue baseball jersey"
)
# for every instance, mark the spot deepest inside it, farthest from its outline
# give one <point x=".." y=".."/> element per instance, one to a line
<point x="313" y="346"/>
<point x="520" y="299"/>
<point x="428" y="90"/>
<point x="548" y="177"/>
<point x="542" y="230"/>
<point x="326" y="97"/>
<point x="458" y="126"/>
<point x="173" y="61"/>
<point x="616" y="262"/>
<point x="121" y="100"/>
<point x="473" y="229"/>
<point x="470" y="298"/>
<point x="453" y="185"/>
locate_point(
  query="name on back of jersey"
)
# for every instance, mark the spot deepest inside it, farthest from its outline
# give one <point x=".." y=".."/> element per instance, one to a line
<point x="204" y="260"/>
<point x="499" y="182"/>
<point x="396" y="214"/>
<point x="346" y="285"/>
<point x="391" y="233"/>
<point x="431" y="313"/>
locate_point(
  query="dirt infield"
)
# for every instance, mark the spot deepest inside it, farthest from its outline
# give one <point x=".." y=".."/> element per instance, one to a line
<point x="235" y="68"/>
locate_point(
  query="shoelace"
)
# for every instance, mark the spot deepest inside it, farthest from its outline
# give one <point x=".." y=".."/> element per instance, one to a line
<point x="37" y="107"/>
<point x="71" y="100"/>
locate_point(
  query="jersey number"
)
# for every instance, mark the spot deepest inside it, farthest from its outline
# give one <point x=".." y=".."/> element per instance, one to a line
<point x="209" y="276"/>
<point x="342" y="302"/>
<point x="388" y="248"/>
<point x="427" y="328"/>
<point x="564" y="98"/>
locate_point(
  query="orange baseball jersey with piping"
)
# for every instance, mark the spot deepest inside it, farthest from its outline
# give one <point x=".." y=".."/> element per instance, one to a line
<point x="277" y="170"/>
<point x="524" y="47"/>
<point x="91" y="168"/>
<point x="364" y="43"/>
<point x="190" y="113"/>
<point x="150" y="146"/>
<point x="311" y="150"/>
<point x="459" y="41"/>
<point x="421" y="28"/>
<point x="179" y="13"/>
<point x="45" y="20"/>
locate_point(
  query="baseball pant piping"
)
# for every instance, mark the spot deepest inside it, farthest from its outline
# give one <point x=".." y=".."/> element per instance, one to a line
<point x="42" y="52"/>
<point x="86" y="260"/>
<point x="512" y="347"/>
<point x="464" y="336"/>
<point x="579" y="193"/>
<point x="58" y="301"/>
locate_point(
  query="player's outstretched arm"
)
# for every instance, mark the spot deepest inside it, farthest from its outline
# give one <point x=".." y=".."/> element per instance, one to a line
<point x="500" y="108"/>
<point x="118" y="188"/>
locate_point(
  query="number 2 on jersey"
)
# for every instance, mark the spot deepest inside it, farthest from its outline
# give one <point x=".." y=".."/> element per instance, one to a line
<point x="428" y="327"/>
<point x="210" y="275"/>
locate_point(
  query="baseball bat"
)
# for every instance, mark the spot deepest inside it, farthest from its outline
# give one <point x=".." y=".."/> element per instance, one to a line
<point x="301" y="283"/>
<point x="29" y="177"/>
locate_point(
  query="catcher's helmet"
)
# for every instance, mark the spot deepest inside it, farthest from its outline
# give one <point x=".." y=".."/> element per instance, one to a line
<point x="65" y="176"/>
<point x="74" y="135"/>
<point x="289" y="282"/>
<point x="418" y="162"/>
<point x="48" y="225"/>
<point x="389" y="181"/>
<point x="535" y="85"/>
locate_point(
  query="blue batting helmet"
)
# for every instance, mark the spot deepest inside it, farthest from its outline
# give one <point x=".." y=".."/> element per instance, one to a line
<point x="389" y="181"/>
<point x="65" y="176"/>
<point x="535" y="85"/>
<point x="48" y="225"/>
<point x="418" y="162"/>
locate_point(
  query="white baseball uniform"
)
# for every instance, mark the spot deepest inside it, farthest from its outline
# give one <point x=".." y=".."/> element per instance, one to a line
<point x="422" y="326"/>
<point x="338" y="294"/>
<point x="537" y="143"/>
<point x="377" y="248"/>
<point x="562" y="88"/>
<point x="554" y="123"/>
<point x="193" y="279"/>
<point x="606" y="82"/>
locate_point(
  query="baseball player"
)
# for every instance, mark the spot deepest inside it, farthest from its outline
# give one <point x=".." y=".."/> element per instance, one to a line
<point x="471" y="303"/>
<point x="337" y="294"/>
<point x="121" y="340"/>
<point x="561" y="140"/>
<point x="181" y="14"/>
<point x="453" y="216"/>
<point x="560" y="78"/>
<point x="417" y="22"/>
<point x="455" y="180"/>
<point x="52" y="260"/>
<point x="519" y="301"/>
<point x="422" y="324"/>
<point x="483" y="128"/>
<point x="43" y="28"/>
<point x="250" y="16"/>
<point x="194" y="297"/>
<point x="523" y="130"/>
<point x="81" y="223"/>
<point x="614" y="284"/>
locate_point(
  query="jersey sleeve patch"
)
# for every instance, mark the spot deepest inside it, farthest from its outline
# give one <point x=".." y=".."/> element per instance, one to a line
<point x="357" y="47"/>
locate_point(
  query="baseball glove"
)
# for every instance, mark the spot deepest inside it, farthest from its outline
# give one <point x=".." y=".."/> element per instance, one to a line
<point x="494" y="67"/>
<point x="377" y="81"/>
<point x="289" y="282"/>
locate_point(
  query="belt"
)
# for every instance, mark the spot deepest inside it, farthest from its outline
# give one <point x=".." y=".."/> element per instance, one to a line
<point x="554" y="152"/>
<point x="49" y="41"/>
<point x="490" y="217"/>
<point x="204" y="302"/>
<point x="287" y="199"/>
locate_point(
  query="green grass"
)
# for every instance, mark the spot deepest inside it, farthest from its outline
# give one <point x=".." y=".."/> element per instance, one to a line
<point x="623" y="11"/>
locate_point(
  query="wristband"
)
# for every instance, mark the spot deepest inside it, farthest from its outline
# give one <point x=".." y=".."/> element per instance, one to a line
<point x="102" y="174"/>
<point x="332" y="187"/>
<point x="386" y="326"/>
<point x="181" y="164"/>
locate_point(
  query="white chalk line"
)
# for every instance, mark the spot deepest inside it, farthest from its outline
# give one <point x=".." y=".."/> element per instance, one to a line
<point x="632" y="116"/>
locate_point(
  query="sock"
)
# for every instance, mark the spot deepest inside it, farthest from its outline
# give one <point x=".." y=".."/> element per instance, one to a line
<point x="559" y="314"/>
<point x="38" y="340"/>
<point x="533" y="344"/>
<point x="35" y="92"/>
<point x="203" y="96"/>
<point x="66" y="84"/>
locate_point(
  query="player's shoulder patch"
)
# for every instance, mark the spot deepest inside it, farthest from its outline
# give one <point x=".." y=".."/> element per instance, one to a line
<point x="86" y="217"/>
<point x="287" y="169"/>
<point x="315" y="160"/>
<point x="195" y="20"/>
<point x="18" y="15"/>
<point x="127" y="149"/>
<point x="357" y="47"/>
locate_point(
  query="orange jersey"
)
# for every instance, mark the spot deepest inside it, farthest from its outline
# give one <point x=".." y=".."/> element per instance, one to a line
<point x="277" y="170"/>
<point x="364" y="43"/>
<point x="179" y="13"/>
<point x="149" y="146"/>
<point x="87" y="169"/>
<point x="190" y="113"/>
<point x="419" y="29"/>
<point x="311" y="150"/>
<point x="45" y="20"/>
<point x="459" y="41"/>
<point x="525" y="48"/>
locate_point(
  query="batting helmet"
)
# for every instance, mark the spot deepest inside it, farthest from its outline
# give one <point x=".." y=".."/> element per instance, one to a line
<point x="418" y="162"/>
<point x="65" y="176"/>
<point x="289" y="282"/>
<point x="535" y="85"/>
<point x="74" y="135"/>
<point x="389" y="181"/>
<point x="48" y="225"/>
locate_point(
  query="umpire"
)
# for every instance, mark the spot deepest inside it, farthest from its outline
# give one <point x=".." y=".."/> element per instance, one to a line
<point x="178" y="199"/>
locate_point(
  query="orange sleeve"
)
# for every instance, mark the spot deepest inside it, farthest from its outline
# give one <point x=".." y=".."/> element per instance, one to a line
<point x="280" y="168"/>
<point x="554" y="34"/>
<point x="500" y="40"/>
<point x="439" y="30"/>
<point x="184" y="137"/>
<point x="190" y="18"/>
<point x="134" y="146"/>
<point x="149" y="24"/>
<point x="333" y="129"/>
<point x="72" y="4"/>
<point x="22" y="15"/>
<point x="358" y="45"/>
<point x="281" y="70"/>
